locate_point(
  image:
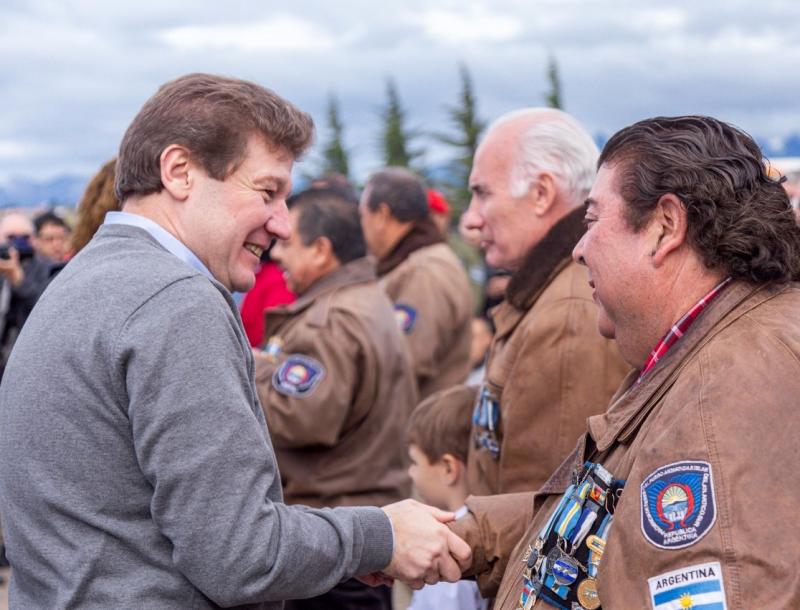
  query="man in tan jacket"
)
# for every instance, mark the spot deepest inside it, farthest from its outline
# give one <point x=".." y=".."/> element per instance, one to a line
<point x="335" y="378"/>
<point x="684" y="493"/>
<point x="548" y="369"/>
<point x="422" y="276"/>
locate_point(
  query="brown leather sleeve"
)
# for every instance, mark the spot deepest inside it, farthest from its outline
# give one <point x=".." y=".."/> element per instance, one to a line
<point x="493" y="527"/>
<point x="443" y="309"/>
<point x="314" y="418"/>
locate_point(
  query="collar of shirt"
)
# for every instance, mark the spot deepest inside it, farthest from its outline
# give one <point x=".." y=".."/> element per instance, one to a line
<point x="679" y="328"/>
<point x="161" y="235"/>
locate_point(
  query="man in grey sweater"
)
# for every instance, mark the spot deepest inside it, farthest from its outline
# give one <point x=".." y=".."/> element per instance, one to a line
<point x="144" y="476"/>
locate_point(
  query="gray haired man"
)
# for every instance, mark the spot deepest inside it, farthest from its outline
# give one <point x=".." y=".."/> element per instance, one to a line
<point x="548" y="368"/>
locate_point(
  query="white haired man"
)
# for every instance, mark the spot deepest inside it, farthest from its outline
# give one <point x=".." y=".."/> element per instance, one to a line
<point x="548" y="369"/>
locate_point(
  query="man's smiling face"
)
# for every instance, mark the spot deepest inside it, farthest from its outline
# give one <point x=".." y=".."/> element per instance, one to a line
<point x="232" y="221"/>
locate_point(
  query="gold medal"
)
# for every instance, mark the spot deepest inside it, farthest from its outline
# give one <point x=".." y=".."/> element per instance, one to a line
<point x="596" y="544"/>
<point x="587" y="594"/>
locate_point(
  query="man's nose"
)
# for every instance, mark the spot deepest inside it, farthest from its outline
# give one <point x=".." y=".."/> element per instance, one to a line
<point x="278" y="224"/>
<point x="577" y="251"/>
<point x="472" y="218"/>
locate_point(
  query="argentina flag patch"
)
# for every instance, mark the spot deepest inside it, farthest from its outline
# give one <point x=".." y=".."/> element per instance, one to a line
<point x="298" y="375"/>
<point x="697" y="586"/>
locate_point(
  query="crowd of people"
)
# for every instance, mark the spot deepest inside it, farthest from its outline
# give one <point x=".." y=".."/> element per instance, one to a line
<point x="256" y="398"/>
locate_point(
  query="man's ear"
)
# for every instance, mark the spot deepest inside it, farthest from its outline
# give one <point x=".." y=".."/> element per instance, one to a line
<point x="453" y="469"/>
<point x="323" y="252"/>
<point x="543" y="194"/>
<point x="384" y="213"/>
<point x="175" y="171"/>
<point x="668" y="227"/>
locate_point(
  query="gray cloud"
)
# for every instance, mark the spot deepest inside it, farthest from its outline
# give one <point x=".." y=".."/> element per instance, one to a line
<point x="73" y="76"/>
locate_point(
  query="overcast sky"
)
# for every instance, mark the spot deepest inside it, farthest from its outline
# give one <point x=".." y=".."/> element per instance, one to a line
<point x="73" y="74"/>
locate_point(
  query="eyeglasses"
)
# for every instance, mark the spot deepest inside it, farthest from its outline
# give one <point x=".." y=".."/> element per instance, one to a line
<point x="52" y="238"/>
<point x="14" y="236"/>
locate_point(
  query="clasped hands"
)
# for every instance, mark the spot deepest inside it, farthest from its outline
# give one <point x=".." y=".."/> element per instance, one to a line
<point x="425" y="550"/>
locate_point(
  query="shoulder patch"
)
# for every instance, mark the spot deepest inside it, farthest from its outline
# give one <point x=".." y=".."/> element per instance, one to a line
<point x="697" y="586"/>
<point x="678" y="506"/>
<point x="406" y="316"/>
<point x="298" y="375"/>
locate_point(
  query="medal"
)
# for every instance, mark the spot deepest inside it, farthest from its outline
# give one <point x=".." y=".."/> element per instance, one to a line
<point x="531" y="560"/>
<point x="273" y="348"/>
<point x="565" y="570"/>
<point x="587" y="594"/>
<point x="596" y="544"/>
<point x="553" y="556"/>
<point x="529" y="603"/>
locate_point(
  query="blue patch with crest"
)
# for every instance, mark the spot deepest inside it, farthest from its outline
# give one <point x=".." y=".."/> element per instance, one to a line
<point x="406" y="316"/>
<point x="298" y="375"/>
<point x="678" y="506"/>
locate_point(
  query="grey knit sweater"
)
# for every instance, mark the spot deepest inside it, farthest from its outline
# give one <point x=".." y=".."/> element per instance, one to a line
<point x="137" y="471"/>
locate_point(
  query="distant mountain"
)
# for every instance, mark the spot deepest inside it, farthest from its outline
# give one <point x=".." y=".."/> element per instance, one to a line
<point x="785" y="147"/>
<point x="63" y="190"/>
<point x="66" y="190"/>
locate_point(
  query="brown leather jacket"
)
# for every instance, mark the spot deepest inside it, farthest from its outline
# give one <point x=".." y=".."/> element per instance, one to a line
<point x="723" y="402"/>
<point x="338" y="392"/>
<point x="548" y="369"/>
<point x="434" y="305"/>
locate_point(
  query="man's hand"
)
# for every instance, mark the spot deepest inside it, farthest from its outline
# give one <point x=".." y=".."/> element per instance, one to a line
<point x="425" y="550"/>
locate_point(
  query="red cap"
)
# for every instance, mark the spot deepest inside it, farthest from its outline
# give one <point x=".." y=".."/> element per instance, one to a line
<point x="437" y="203"/>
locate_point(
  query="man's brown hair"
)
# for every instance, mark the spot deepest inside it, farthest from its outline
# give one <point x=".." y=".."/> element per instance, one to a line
<point x="442" y="423"/>
<point x="213" y="117"/>
<point x="739" y="218"/>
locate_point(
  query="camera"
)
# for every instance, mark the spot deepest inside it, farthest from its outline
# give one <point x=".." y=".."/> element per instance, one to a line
<point x="21" y="243"/>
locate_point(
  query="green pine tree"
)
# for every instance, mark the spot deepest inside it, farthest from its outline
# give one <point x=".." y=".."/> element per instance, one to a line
<point x="468" y="127"/>
<point x="335" y="158"/>
<point x="396" y="138"/>
<point x="553" y="97"/>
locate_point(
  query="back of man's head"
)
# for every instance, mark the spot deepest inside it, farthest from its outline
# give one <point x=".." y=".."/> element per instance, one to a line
<point x="338" y="183"/>
<point x="551" y="141"/>
<point x="213" y="117"/>
<point x="739" y="218"/>
<point x="325" y="213"/>
<point x="401" y="190"/>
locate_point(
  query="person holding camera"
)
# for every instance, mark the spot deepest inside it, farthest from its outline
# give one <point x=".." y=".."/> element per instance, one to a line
<point x="24" y="275"/>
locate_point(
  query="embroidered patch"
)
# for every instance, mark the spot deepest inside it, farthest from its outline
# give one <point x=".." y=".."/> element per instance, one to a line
<point x="405" y="316"/>
<point x="678" y="506"/>
<point x="697" y="586"/>
<point x="298" y="375"/>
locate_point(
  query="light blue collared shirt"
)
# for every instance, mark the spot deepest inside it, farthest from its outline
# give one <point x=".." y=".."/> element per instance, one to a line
<point x="161" y="235"/>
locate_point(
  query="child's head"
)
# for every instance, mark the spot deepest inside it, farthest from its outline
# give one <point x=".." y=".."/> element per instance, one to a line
<point x="438" y="441"/>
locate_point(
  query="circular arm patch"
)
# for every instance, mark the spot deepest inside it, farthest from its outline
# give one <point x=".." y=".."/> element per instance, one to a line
<point x="298" y="375"/>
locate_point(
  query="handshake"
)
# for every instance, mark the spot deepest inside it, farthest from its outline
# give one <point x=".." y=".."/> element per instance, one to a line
<point x="425" y="550"/>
